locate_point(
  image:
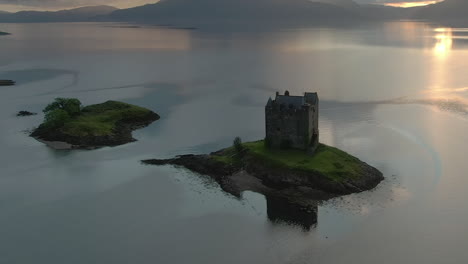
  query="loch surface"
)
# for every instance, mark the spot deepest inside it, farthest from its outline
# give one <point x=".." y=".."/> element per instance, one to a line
<point x="394" y="95"/>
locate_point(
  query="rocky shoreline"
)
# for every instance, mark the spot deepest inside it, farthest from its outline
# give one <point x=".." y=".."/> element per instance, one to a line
<point x="253" y="174"/>
<point x="122" y="134"/>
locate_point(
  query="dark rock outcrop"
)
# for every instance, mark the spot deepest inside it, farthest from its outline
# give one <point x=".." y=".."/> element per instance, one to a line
<point x="205" y="165"/>
<point x="283" y="177"/>
<point x="7" y="82"/>
<point x="25" y="113"/>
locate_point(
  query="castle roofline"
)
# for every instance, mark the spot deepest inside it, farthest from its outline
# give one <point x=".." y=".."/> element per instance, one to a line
<point x="296" y="101"/>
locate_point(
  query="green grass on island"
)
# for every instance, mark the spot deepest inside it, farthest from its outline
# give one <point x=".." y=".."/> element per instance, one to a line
<point x="101" y="119"/>
<point x="70" y="118"/>
<point x="4" y="33"/>
<point x="336" y="164"/>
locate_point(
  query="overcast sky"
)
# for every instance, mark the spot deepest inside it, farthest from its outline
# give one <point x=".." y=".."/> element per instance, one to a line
<point x="16" y="5"/>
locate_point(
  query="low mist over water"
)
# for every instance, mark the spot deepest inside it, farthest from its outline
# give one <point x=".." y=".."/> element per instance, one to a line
<point x="393" y="94"/>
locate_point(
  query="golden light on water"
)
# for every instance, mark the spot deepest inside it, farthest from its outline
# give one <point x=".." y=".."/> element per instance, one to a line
<point x="442" y="93"/>
<point x="444" y="42"/>
<point x="413" y="4"/>
<point x="445" y="90"/>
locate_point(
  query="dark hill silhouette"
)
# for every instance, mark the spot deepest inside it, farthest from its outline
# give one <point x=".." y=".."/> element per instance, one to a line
<point x="350" y="4"/>
<point x="70" y="15"/>
<point x="237" y="11"/>
<point x="452" y="12"/>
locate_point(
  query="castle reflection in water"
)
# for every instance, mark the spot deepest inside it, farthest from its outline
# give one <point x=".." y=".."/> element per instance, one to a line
<point x="281" y="210"/>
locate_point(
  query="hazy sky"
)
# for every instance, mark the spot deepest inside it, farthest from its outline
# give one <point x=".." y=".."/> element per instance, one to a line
<point x="16" y="5"/>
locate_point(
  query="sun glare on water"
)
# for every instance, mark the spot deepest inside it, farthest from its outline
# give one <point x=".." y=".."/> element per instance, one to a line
<point x="413" y="4"/>
<point x="444" y="42"/>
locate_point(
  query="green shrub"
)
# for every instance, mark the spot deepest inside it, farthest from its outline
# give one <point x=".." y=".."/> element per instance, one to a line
<point x="238" y="145"/>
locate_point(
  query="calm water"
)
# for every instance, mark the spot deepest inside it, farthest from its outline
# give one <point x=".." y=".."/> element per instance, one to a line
<point x="395" y="95"/>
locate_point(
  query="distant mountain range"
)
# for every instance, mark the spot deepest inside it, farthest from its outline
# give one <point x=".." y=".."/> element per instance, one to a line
<point x="237" y="11"/>
<point x="82" y="14"/>
<point x="343" y="3"/>
<point x="448" y="12"/>
<point x="271" y="12"/>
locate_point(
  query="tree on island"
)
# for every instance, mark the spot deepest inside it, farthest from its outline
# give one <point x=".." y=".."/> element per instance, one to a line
<point x="239" y="148"/>
<point x="60" y="111"/>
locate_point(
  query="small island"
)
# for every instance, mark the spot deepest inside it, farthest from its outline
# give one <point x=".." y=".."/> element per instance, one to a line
<point x="289" y="163"/>
<point x="7" y="83"/>
<point x="4" y="33"/>
<point x="330" y="172"/>
<point x="69" y="125"/>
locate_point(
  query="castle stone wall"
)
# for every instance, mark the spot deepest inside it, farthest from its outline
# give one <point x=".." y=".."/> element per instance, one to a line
<point x="288" y="126"/>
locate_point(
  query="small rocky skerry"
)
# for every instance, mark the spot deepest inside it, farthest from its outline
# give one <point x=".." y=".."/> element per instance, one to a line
<point x="67" y="125"/>
<point x="24" y="113"/>
<point x="291" y="174"/>
<point x="7" y="82"/>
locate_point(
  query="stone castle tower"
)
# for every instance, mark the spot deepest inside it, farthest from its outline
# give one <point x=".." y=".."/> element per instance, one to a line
<point x="292" y="122"/>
